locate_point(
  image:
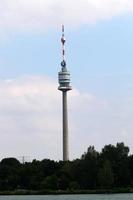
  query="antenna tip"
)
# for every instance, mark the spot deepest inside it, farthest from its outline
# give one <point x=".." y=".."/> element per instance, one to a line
<point x="62" y="28"/>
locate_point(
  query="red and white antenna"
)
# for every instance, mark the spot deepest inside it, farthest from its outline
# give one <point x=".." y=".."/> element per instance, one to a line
<point x="63" y="40"/>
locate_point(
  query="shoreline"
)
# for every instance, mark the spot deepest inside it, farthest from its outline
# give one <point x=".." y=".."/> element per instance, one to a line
<point x="67" y="192"/>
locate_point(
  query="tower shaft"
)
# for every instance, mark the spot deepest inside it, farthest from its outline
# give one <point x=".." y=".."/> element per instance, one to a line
<point x="65" y="127"/>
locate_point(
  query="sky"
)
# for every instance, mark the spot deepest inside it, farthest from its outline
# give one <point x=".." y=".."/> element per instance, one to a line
<point x="99" y="48"/>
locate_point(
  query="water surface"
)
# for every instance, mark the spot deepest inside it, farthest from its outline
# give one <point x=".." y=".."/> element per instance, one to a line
<point x="71" y="197"/>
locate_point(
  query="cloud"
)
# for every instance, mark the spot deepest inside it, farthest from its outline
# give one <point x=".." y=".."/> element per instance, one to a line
<point x="27" y="15"/>
<point x="31" y="122"/>
<point x="30" y="117"/>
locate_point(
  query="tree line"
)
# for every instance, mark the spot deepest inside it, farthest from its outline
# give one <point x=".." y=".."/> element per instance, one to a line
<point x="110" y="168"/>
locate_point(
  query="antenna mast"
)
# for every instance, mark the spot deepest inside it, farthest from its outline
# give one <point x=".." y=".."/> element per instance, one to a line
<point x="63" y="40"/>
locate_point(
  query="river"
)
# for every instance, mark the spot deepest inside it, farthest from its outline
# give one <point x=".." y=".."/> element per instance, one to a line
<point x="71" y="197"/>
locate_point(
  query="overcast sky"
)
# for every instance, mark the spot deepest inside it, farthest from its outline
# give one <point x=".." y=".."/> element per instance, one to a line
<point x="99" y="51"/>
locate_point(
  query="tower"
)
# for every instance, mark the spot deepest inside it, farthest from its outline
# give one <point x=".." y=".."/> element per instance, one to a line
<point x="64" y="86"/>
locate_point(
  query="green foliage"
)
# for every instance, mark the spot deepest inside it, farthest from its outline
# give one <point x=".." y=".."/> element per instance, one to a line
<point x="74" y="185"/>
<point x="111" y="168"/>
<point x="105" y="176"/>
<point x="9" y="168"/>
<point x="50" y="182"/>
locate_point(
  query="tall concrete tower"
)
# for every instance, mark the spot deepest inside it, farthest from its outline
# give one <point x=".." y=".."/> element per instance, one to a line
<point x="64" y="86"/>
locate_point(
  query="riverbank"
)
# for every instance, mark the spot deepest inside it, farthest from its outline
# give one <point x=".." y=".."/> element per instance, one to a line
<point x="67" y="192"/>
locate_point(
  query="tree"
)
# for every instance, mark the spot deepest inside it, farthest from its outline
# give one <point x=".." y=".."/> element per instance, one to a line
<point x="10" y="162"/>
<point x="74" y="185"/>
<point x="105" y="175"/>
<point x="118" y="157"/>
<point x="50" y="182"/>
<point x="9" y="169"/>
<point x="88" y="168"/>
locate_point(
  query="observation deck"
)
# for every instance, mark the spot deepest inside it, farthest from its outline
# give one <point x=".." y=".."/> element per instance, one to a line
<point x="64" y="78"/>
